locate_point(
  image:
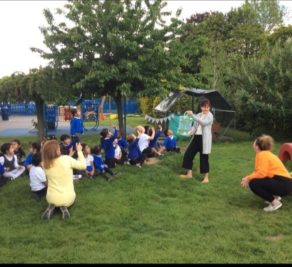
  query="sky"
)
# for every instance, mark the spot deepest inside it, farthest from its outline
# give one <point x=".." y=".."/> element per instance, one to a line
<point x="20" y="21"/>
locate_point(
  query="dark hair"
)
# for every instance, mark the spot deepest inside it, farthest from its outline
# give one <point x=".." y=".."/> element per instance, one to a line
<point x="150" y="131"/>
<point x="120" y="134"/>
<point x="96" y="150"/>
<point x="16" y="141"/>
<point x="204" y="102"/>
<point x="73" y="112"/>
<point x="5" y="147"/>
<point x="64" y="137"/>
<point x="83" y="146"/>
<point x="36" y="159"/>
<point x="146" y="127"/>
<point x="104" y="132"/>
<point x="19" y="151"/>
<point x="165" y="132"/>
<point x="36" y="146"/>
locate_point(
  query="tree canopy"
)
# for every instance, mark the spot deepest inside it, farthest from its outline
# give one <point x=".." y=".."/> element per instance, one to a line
<point x="117" y="48"/>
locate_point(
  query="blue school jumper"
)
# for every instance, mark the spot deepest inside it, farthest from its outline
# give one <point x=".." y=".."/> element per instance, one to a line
<point x="108" y="147"/>
<point x="134" y="151"/>
<point x="98" y="162"/>
<point x="153" y="143"/>
<point x="76" y="126"/>
<point x="169" y="143"/>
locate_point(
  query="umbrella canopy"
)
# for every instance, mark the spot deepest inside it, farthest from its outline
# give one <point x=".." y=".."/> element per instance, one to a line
<point x="216" y="99"/>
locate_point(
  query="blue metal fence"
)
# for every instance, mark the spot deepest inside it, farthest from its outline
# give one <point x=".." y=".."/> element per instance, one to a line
<point x="51" y="116"/>
<point x="132" y="106"/>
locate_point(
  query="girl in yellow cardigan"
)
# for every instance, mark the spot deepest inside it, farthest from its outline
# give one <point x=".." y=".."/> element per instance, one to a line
<point x="59" y="171"/>
<point x="270" y="180"/>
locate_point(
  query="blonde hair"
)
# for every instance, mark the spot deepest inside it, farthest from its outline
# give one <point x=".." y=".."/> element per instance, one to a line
<point x="50" y="153"/>
<point x="139" y="129"/>
<point x="264" y="142"/>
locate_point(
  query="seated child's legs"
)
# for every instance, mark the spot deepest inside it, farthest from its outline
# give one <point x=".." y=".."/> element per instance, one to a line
<point x="39" y="194"/>
<point x="14" y="173"/>
<point x="110" y="163"/>
<point x="109" y="171"/>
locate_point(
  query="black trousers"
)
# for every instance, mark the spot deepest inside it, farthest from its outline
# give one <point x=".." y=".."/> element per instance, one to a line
<point x="111" y="163"/>
<point x="195" y="146"/>
<point x="267" y="188"/>
<point x="39" y="194"/>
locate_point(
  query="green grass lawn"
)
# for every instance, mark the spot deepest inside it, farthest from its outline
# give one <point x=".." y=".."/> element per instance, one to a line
<point x="148" y="215"/>
<point x="131" y="120"/>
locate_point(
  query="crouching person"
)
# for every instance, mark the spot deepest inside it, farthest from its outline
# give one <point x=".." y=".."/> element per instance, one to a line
<point x="270" y="180"/>
<point x="59" y="171"/>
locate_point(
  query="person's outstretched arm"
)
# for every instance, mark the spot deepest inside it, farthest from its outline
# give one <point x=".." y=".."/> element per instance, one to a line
<point x="79" y="164"/>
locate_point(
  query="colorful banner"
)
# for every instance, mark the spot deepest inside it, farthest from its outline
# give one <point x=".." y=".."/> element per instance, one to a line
<point x="159" y="120"/>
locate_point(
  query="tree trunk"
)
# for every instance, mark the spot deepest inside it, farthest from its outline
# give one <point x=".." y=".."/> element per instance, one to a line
<point x="39" y="103"/>
<point x="119" y="103"/>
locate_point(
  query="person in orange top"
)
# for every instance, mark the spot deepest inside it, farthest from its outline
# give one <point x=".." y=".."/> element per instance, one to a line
<point x="270" y="180"/>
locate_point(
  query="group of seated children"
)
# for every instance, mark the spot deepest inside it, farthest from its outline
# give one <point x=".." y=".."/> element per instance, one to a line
<point x="13" y="165"/>
<point x="135" y="150"/>
<point x="139" y="146"/>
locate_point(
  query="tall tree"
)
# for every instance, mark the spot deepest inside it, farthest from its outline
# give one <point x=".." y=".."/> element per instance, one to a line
<point x="261" y="91"/>
<point x="118" y="47"/>
<point x="40" y="85"/>
<point x="269" y="13"/>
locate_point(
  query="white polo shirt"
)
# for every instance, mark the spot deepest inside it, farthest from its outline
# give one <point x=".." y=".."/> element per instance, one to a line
<point x="143" y="141"/>
<point x="37" y="178"/>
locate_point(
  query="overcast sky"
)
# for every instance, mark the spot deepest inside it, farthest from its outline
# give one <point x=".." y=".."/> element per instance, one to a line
<point x="20" y="22"/>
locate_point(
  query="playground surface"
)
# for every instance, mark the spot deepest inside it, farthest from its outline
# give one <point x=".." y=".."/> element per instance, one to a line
<point x="22" y="126"/>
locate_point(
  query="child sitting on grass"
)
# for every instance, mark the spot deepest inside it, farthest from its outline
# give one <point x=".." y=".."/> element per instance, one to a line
<point x="99" y="165"/>
<point x="37" y="177"/>
<point x="18" y="151"/>
<point x="153" y="144"/>
<point x="66" y="145"/>
<point x="89" y="171"/>
<point x="135" y="156"/>
<point x="144" y="140"/>
<point x="169" y="143"/>
<point x="33" y="149"/>
<point x="107" y="139"/>
<point x="124" y="146"/>
<point x="12" y="169"/>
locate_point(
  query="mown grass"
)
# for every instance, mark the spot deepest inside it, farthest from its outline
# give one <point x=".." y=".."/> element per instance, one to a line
<point x="148" y="215"/>
<point x="131" y="120"/>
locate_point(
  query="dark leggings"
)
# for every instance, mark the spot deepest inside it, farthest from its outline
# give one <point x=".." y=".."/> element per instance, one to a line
<point x="267" y="188"/>
<point x="41" y="193"/>
<point x="111" y="163"/>
<point x="195" y="146"/>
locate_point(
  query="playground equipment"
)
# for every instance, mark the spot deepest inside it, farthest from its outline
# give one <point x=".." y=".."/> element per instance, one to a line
<point x="285" y="152"/>
<point x="50" y="117"/>
<point x="113" y="116"/>
<point x="89" y="111"/>
<point x="100" y="108"/>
